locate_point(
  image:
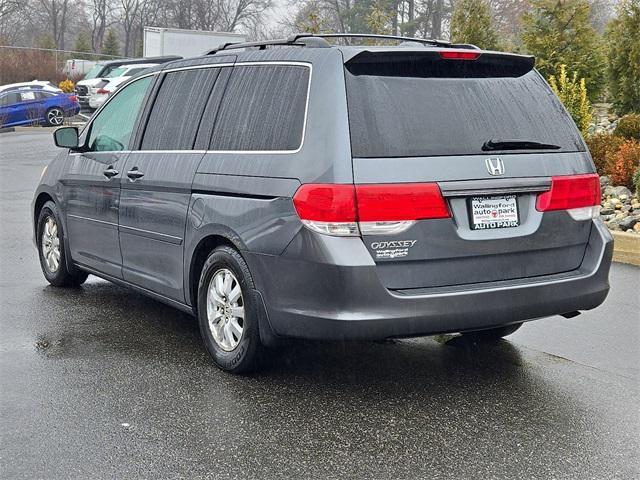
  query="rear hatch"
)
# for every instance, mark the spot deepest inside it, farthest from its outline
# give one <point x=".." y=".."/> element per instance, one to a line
<point x="488" y="131"/>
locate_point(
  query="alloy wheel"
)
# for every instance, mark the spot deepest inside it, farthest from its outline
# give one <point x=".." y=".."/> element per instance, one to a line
<point x="55" y="116"/>
<point x="51" y="245"/>
<point x="225" y="309"/>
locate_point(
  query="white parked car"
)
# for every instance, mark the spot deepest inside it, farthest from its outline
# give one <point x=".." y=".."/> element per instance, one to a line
<point x="44" y="85"/>
<point x="99" y="92"/>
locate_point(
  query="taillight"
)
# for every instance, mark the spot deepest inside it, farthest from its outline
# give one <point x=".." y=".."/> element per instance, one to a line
<point x="73" y="98"/>
<point x="578" y="194"/>
<point x="459" y="54"/>
<point x="102" y="91"/>
<point x="368" y="209"/>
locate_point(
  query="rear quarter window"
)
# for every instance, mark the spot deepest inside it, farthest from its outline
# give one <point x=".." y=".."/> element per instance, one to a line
<point x="263" y="109"/>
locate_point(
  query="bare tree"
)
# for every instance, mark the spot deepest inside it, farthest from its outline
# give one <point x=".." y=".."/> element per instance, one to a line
<point x="101" y="11"/>
<point x="129" y="19"/>
<point x="55" y="16"/>
<point x="236" y="13"/>
<point x="12" y="19"/>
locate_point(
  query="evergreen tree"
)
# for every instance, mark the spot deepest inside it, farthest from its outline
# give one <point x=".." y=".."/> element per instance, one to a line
<point x="623" y="35"/>
<point x="110" y="45"/>
<point x="558" y="32"/>
<point x="573" y="94"/>
<point x="472" y="23"/>
<point x="83" y="44"/>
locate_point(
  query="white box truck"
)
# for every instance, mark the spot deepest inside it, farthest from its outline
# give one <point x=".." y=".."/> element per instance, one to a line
<point x="77" y="68"/>
<point x="185" y="43"/>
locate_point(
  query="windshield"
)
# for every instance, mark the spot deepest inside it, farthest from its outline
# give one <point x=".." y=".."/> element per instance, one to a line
<point x="392" y="115"/>
<point x="94" y="72"/>
<point x="117" y="72"/>
<point x="135" y="71"/>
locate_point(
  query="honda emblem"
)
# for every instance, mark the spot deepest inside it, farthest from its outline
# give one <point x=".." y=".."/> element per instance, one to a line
<point x="495" y="166"/>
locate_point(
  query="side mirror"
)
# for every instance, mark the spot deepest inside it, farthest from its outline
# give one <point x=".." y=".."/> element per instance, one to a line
<point x="66" y="137"/>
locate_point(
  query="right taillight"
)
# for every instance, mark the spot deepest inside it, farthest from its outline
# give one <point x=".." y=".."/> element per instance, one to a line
<point x="348" y="210"/>
<point x="577" y="194"/>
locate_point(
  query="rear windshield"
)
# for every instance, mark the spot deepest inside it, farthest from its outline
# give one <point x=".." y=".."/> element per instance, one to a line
<point x="404" y="112"/>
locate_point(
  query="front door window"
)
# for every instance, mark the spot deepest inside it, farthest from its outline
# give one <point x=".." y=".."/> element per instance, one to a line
<point x="112" y="129"/>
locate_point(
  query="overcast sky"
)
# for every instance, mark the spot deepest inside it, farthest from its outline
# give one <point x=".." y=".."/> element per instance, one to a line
<point x="278" y="11"/>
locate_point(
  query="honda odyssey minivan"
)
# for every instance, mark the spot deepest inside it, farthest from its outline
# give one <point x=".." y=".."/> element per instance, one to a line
<point x="294" y="188"/>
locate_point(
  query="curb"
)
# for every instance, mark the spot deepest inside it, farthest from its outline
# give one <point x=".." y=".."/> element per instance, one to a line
<point x="626" y="248"/>
<point x="35" y="128"/>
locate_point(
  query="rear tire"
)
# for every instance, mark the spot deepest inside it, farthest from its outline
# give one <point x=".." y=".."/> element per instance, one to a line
<point x="227" y="311"/>
<point x="54" y="117"/>
<point x="50" y="240"/>
<point x="493" y="334"/>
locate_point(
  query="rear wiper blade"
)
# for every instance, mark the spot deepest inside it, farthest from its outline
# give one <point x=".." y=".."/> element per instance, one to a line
<point x="517" y="145"/>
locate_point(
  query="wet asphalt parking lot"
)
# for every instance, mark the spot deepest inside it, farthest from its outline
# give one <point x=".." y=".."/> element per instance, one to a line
<point x="102" y="382"/>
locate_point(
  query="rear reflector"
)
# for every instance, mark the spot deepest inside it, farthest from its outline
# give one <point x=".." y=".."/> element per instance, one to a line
<point x="570" y="192"/>
<point x="459" y="54"/>
<point x="371" y="209"/>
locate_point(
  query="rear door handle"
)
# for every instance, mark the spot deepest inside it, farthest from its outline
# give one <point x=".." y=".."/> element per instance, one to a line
<point x="135" y="174"/>
<point x="110" y="172"/>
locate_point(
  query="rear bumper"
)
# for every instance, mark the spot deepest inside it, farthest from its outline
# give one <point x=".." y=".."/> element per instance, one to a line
<point x="327" y="288"/>
<point x="96" y="101"/>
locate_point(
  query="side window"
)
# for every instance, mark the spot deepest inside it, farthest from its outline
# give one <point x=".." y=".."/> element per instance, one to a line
<point x="10" y="98"/>
<point x="177" y="109"/>
<point x="263" y="108"/>
<point x="112" y="128"/>
<point x="27" y="96"/>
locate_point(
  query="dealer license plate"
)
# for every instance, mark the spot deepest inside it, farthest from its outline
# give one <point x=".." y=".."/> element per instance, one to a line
<point x="494" y="212"/>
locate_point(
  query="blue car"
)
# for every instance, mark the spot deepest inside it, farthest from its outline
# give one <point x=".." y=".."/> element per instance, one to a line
<point x="32" y="105"/>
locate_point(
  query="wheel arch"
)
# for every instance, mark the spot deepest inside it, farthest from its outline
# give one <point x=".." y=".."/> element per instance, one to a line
<point x="200" y="253"/>
<point x="41" y="199"/>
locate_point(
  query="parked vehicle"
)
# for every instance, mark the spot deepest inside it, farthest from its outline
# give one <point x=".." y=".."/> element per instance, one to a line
<point x="35" y="84"/>
<point x="332" y="192"/>
<point x="99" y="93"/>
<point x="103" y="69"/>
<point x="36" y="105"/>
<point x="186" y="43"/>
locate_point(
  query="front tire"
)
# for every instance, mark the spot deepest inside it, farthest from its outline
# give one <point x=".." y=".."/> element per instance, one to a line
<point x="227" y="311"/>
<point x="50" y="240"/>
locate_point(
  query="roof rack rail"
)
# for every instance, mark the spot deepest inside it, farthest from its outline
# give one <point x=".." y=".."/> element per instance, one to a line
<point x="319" y="40"/>
<point x="428" y="41"/>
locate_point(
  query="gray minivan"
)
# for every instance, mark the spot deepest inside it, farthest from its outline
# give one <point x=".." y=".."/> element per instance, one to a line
<point x="295" y="188"/>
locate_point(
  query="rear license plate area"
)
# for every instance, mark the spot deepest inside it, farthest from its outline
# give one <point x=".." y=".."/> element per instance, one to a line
<point x="486" y="213"/>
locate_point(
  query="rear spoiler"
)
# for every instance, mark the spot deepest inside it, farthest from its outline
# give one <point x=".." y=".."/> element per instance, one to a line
<point x="443" y="63"/>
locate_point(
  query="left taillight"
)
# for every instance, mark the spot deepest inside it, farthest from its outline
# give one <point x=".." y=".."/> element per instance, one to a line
<point x="349" y="210"/>
<point x="73" y="98"/>
<point x="579" y="195"/>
